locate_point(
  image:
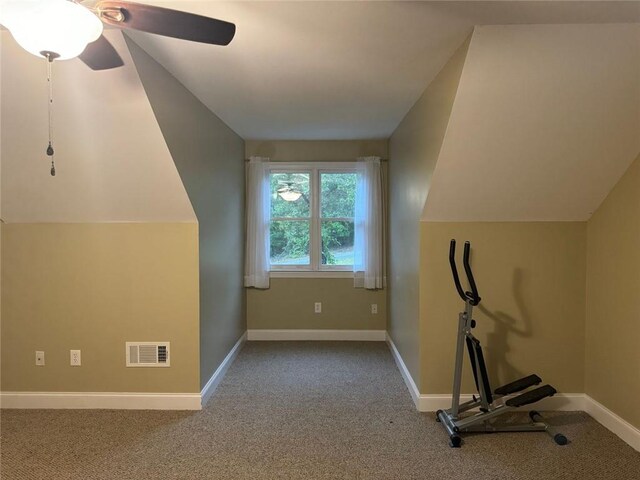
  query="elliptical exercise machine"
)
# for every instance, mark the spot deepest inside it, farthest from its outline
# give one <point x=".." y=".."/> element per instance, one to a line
<point x="491" y="404"/>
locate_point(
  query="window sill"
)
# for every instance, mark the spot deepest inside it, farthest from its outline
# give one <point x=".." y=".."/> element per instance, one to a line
<point x="308" y="274"/>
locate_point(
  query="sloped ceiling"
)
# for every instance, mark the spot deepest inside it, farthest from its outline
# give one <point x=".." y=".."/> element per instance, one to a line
<point x="338" y="70"/>
<point x="545" y="122"/>
<point x="546" y="116"/>
<point x="112" y="161"/>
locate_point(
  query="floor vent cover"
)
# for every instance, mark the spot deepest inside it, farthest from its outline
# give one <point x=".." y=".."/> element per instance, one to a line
<point x="147" y="354"/>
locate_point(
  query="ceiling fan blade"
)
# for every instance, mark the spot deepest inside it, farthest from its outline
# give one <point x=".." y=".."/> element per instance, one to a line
<point x="166" y="22"/>
<point x="100" y="55"/>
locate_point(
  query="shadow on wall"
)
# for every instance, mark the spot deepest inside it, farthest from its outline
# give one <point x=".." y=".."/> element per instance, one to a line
<point x="506" y="326"/>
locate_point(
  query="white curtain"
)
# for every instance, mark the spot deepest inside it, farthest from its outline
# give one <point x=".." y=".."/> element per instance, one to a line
<point x="368" y="265"/>
<point x="258" y="213"/>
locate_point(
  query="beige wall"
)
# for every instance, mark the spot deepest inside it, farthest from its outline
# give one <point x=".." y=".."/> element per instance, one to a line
<point x="210" y="160"/>
<point x="531" y="277"/>
<point x="413" y="152"/>
<point x="289" y="303"/>
<point x="93" y="287"/>
<point x="316" y="150"/>
<point x="613" y="299"/>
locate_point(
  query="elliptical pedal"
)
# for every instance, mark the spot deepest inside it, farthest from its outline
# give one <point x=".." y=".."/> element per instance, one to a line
<point x="518" y="385"/>
<point x="531" y="396"/>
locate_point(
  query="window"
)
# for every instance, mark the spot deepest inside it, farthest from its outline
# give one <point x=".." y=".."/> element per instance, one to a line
<point x="308" y="218"/>
<point x="312" y="216"/>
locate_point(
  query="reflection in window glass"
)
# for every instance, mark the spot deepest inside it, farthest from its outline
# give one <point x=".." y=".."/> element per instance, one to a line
<point x="290" y="195"/>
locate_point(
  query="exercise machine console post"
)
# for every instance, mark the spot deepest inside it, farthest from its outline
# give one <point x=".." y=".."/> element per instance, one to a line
<point x="490" y="404"/>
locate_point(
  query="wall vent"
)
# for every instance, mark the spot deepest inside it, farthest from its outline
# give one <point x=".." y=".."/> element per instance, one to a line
<point x="147" y="354"/>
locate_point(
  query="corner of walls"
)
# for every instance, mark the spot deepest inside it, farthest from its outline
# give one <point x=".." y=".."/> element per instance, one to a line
<point x="209" y="157"/>
<point x="612" y="302"/>
<point x="531" y="278"/>
<point x="346" y="310"/>
<point x="413" y="152"/>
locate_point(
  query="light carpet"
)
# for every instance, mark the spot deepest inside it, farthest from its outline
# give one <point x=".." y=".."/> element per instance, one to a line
<point x="299" y="410"/>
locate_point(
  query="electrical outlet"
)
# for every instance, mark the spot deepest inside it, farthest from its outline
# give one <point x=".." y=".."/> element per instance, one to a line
<point x="374" y="308"/>
<point x="318" y="307"/>
<point x="75" y="358"/>
<point x="39" y="358"/>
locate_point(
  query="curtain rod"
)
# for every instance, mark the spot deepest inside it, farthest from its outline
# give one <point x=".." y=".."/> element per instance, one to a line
<point x="317" y="161"/>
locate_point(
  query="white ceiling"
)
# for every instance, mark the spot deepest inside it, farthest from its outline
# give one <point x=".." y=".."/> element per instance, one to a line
<point x="545" y="122"/>
<point x="112" y="161"/>
<point x="338" y="70"/>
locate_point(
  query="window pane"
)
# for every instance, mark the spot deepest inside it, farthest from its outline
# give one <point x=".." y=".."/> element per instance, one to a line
<point x="290" y="195"/>
<point x="337" y="243"/>
<point x="338" y="194"/>
<point x="290" y="243"/>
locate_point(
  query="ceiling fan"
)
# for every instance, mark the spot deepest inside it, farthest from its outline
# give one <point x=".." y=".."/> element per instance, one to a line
<point x="289" y="191"/>
<point x="64" y="29"/>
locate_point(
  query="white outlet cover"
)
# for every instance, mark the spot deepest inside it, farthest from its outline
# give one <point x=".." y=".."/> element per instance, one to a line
<point x="318" y="307"/>
<point x="39" y="358"/>
<point x="75" y="358"/>
<point x="374" y="308"/>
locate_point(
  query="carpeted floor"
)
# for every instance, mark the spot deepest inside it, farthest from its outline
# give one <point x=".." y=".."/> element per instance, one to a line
<point x="299" y="410"/>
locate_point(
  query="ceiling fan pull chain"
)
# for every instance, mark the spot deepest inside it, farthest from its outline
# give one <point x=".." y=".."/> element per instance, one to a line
<point x="50" y="151"/>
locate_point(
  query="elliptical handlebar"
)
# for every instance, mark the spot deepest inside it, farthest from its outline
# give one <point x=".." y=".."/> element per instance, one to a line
<point x="454" y="269"/>
<point x="472" y="297"/>
<point x="467" y="269"/>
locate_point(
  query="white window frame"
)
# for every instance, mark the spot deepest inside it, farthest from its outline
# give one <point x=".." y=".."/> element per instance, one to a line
<point x="314" y="169"/>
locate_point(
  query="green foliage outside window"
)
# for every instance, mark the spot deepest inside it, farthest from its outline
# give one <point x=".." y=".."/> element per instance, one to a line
<point x="338" y="196"/>
<point x="290" y="239"/>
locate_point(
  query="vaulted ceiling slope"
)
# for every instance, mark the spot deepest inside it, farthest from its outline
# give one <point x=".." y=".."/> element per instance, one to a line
<point x="338" y="70"/>
<point x="112" y="161"/>
<point x="545" y="122"/>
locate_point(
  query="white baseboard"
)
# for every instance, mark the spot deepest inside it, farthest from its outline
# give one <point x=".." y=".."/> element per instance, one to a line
<point x="559" y="402"/>
<point x="433" y="402"/>
<point x="220" y="372"/>
<point x="613" y="422"/>
<point x="100" y="400"/>
<point x="404" y="371"/>
<point x="120" y="400"/>
<point x="194" y="401"/>
<point x="348" y="335"/>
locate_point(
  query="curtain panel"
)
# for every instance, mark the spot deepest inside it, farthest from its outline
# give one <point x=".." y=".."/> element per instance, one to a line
<point x="369" y="222"/>
<point x="258" y="203"/>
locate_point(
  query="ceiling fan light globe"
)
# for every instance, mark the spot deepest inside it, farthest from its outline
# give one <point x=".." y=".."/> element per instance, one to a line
<point x="59" y="26"/>
<point x="290" y="196"/>
<point x="12" y="10"/>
